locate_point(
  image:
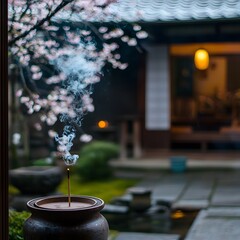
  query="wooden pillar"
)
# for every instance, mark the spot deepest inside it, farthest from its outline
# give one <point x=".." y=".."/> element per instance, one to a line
<point x="130" y="138"/>
<point x="123" y="140"/>
<point x="3" y="122"/>
<point x="136" y="139"/>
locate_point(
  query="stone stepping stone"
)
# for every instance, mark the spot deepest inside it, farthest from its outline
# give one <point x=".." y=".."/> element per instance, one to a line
<point x="214" y="225"/>
<point x="198" y="191"/>
<point x="167" y="188"/>
<point x="146" y="236"/>
<point x="168" y="191"/>
<point x="224" y="212"/>
<point x="190" y="204"/>
<point x="226" y="195"/>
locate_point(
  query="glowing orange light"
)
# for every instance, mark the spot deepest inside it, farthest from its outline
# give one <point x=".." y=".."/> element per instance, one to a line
<point x="178" y="214"/>
<point x="103" y="124"/>
<point x="201" y="59"/>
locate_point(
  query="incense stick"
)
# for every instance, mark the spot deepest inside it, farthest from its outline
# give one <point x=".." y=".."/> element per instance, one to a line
<point x="69" y="194"/>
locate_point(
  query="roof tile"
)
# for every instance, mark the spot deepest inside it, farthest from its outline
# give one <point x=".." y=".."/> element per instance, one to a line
<point x="170" y="10"/>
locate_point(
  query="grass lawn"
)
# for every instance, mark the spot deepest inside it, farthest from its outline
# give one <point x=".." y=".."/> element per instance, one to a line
<point x="104" y="189"/>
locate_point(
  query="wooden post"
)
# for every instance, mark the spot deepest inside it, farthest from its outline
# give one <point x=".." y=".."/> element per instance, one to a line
<point x="123" y="140"/>
<point x="4" y="121"/>
<point x="133" y="138"/>
<point x="136" y="139"/>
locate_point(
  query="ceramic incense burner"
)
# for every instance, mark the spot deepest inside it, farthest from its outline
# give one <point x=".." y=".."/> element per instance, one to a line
<point x="53" y="219"/>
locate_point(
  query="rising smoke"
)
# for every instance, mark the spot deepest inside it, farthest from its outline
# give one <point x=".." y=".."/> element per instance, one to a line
<point x="81" y="69"/>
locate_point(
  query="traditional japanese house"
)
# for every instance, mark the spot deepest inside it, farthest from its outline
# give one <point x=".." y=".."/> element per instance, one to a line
<point x="166" y="99"/>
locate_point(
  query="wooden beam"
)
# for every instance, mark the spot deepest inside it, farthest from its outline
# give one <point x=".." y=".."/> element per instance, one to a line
<point x="212" y="48"/>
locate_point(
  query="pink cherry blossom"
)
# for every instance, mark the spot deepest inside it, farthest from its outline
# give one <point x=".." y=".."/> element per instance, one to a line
<point x="39" y="37"/>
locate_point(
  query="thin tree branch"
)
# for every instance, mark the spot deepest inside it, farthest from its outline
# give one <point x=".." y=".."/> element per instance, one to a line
<point x="25" y="11"/>
<point x="94" y="29"/>
<point x="24" y="81"/>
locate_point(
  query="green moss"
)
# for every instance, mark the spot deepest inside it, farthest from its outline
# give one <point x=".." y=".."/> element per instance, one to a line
<point x="16" y="220"/>
<point x="12" y="190"/>
<point x="104" y="189"/>
<point x="112" y="234"/>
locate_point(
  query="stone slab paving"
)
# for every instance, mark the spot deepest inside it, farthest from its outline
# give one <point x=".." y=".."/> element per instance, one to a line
<point x="168" y="192"/>
<point x="164" y="187"/>
<point x="198" y="189"/>
<point x="146" y="236"/>
<point x="224" y="212"/>
<point x="195" y="190"/>
<point x="190" y="204"/>
<point x="216" y="224"/>
<point x="168" y="187"/>
<point x="217" y="192"/>
<point x="196" y="195"/>
<point x="227" y="193"/>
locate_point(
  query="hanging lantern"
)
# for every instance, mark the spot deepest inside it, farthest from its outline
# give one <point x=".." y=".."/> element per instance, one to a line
<point x="102" y="124"/>
<point x="201" y="59"/>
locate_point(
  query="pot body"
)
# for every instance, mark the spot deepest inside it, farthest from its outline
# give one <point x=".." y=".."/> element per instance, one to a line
<point x="65" y="224"/>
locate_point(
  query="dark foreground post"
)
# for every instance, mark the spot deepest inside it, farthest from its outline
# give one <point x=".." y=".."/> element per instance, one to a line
<point x="3" y="122"/>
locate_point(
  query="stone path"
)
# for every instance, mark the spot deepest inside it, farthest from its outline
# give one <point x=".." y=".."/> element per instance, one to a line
<point x="195" y="190"/>
<point x="146" y="236"/>
<point x="227" y="193"/>
<point x="215" y="193"/>
<point x="215" y="224"/>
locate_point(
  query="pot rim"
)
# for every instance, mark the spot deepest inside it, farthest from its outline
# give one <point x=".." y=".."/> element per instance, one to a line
<point x="96" y="203"/>
<point x="36" y="170"/>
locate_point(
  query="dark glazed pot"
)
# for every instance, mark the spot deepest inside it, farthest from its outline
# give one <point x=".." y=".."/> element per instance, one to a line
<point x="84" y="223"/>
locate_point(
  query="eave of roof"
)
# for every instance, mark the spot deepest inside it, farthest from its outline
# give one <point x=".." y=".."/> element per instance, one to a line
<point x="176" y="10"/>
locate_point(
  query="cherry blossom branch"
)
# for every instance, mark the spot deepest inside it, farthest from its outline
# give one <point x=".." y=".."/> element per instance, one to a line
<point x="25" y="10"/>
<point x="13" y="19"/>
<point x="40" y="23"/>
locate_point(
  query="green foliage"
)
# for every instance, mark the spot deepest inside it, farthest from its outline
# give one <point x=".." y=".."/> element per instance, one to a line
<point x="16" y="220"/>
<point x="93" y="161"/>
<point x="108" y="149"/>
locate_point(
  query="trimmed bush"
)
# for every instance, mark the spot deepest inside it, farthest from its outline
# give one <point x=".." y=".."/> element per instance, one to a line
<point x="93" y="161"/>
<point x="108" y="149"/>
<point x="16" y="220"/>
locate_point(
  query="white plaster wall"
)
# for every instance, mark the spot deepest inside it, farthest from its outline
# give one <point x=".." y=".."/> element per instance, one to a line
<point x="157" y="89"/>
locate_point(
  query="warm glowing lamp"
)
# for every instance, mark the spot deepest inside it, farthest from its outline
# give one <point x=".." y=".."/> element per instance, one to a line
<point x="102" y="124"/>
<point x="201" y="59"/>
<point x="178" y="214"/>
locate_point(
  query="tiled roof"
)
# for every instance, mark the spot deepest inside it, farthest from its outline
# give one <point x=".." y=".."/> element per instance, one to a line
<point x="176" y="10"/>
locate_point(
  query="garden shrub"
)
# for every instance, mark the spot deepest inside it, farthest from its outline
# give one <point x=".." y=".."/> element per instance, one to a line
<point x="16" y="220"/>
<point x="93" y="161"/>
<point x="108" y="149"/>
